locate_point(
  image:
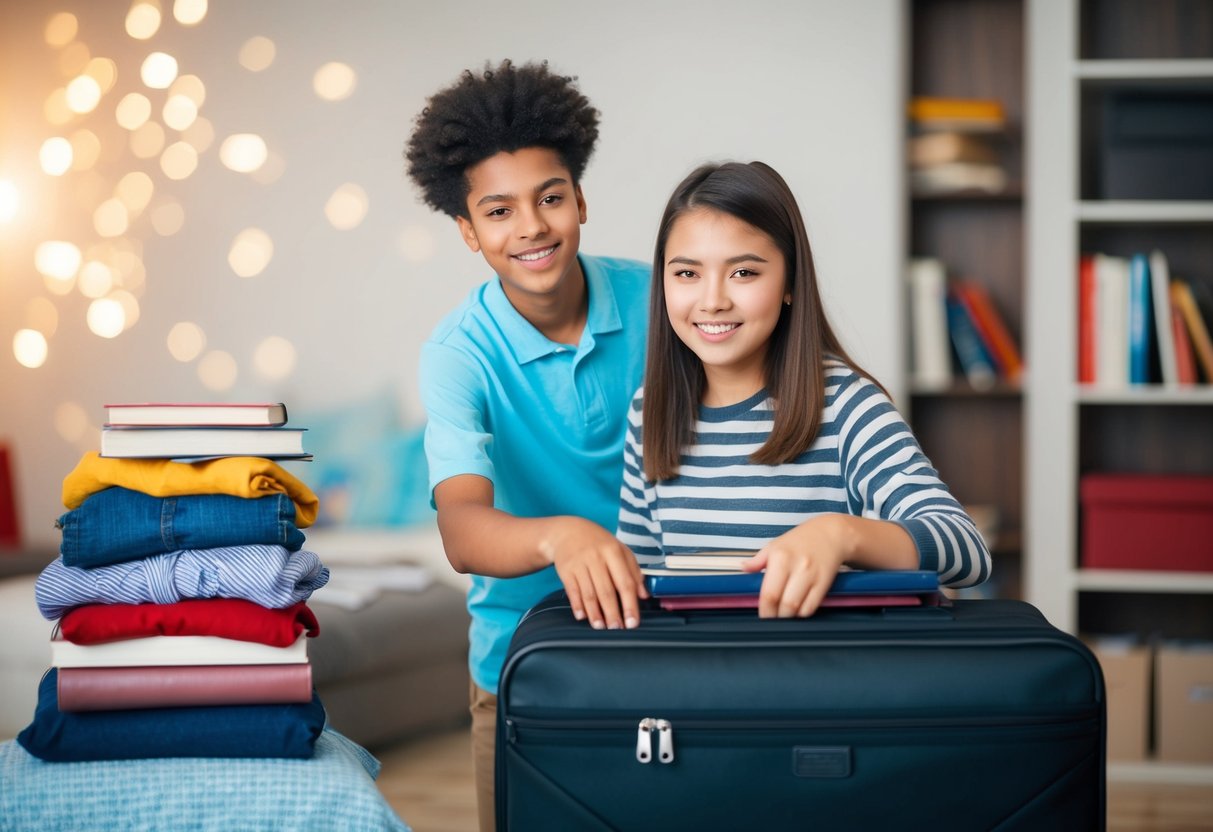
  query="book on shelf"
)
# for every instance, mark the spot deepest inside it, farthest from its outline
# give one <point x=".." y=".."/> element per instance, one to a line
<point x="937" y="148"/>
<point x="663" y="582"/>
<point x="1185" y="356"/>
<point x="991" y="327"/>
<point x="271" y="414"/>
<point x="125" y="688"/>
<point x="958" y="177"/>
<point x="966" y="114"/>
<point x="1111" y="321"/>
<point x="931" y="357"/>
<point x="1160" y="295"/>
<point x="1087" y="319"/>
<point x="1140" y="316"/>
<point x="173" y="651"/>
<point x="1198" y="333"/>
<point x="202" y="442"/>
<point x="975" y="361"/>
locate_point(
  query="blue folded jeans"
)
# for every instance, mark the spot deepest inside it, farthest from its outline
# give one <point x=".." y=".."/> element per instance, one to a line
<point x="118" y="524"/>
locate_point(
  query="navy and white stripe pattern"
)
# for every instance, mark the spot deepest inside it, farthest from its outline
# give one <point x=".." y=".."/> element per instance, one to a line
<point x="864" y="462"/>
<point x="271" y="576"/>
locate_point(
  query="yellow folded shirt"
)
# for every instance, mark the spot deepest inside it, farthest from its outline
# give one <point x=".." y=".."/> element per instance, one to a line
<point x="240" y="476"/>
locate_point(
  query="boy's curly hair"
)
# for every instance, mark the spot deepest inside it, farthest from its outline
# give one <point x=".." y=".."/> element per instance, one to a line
<point x="504" y="109"/>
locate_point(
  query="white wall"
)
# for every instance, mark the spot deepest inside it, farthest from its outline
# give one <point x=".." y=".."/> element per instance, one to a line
<point x="812" y="87"/>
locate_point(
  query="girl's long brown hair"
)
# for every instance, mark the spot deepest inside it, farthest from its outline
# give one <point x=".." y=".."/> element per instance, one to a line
<point x="795" y="374"/>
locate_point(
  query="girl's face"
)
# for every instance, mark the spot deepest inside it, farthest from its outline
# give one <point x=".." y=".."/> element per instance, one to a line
<point x="725" y="285"/>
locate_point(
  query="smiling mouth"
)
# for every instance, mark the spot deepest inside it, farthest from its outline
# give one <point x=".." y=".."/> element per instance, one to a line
<point x="717" y="329"/>
<point x="535" y="254"/>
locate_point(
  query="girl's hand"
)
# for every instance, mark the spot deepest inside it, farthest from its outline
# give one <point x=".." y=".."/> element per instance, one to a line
<point x="801" y="565"/>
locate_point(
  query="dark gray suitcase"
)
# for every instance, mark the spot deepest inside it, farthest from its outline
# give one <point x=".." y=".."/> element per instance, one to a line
<point x="978" y="715"/>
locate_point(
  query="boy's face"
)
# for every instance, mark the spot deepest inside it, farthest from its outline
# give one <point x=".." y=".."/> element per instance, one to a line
<point x="525" y="218"/>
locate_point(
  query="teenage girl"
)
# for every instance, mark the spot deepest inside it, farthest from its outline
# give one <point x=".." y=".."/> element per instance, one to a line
<point x="754" y="430"/>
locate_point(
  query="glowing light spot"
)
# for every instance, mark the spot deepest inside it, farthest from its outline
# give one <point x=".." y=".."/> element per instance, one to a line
<point x="111" y="218"/>
<point x="251" y="252"/>
<point x="200" y="134"/>
<point x="29" y="348"/>
<point x="60" y="29"/>
<point x="89" y="189"/>
<point x="179" y="160"/>
<point x="179" y="112"/>
<point x="10" y="200"/>
<point x="135" y="190"/>
<point x="416" y="244"/>
<point x="148" y="140"/>
<point x="274" y="358"/>
<point x="71" y="421"/>
<point x="83" y="94"/>
<point x="130" y="307"/>
<point x="334" y="81"/>
<point x="191" y="87"/>
<point x="159" y="70"/>
<point x="96" y="279"/>
<point x="346" y="208"/>
<point x="217" y="370"/>
<point x="55" y="156"/>
<point x="104" y="71"/>
<point x="133" y="111"/>
<point x="106" y="318"/>
<point x="41" y="314"/>
<point x="143" y="20"/>
<point x="243" y="152"/>
<point x="129" y="271"/>
<point x="86" y="149"/>
<point x="271" y="171"/>
<point x="168" y="218"/>
<point x="186" y="341"/>
<point x="73" y="59"/>
<point x="55" y="108"/>
<point x="189" y="12"/>
<point x="57" y="260"/>
<point x="257" y="53"/>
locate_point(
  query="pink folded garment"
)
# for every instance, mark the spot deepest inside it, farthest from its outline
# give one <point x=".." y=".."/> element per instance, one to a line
<point x="126" y="688"/>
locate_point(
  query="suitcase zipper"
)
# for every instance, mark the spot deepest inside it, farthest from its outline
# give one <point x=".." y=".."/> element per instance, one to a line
<point x="665" y="740"/>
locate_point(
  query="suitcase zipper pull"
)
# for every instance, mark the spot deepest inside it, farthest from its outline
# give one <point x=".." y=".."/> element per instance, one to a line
<point x="644" y="740"/>
<point x="665" y="740"/>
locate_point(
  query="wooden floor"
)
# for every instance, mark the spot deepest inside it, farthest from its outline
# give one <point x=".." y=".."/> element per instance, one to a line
<point x="429" y="784"/>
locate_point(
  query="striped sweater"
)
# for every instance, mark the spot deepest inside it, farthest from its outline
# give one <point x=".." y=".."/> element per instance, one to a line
<point x="864" y="462"/>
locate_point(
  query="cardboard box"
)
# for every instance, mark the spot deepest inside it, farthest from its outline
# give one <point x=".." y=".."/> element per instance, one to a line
<point x="1184" y="703"/>
<point x="1126" y="673"/>
<point x="1147" y="521"/>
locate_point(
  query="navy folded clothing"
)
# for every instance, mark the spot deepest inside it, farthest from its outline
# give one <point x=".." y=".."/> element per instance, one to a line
<point x="282" y="731"/>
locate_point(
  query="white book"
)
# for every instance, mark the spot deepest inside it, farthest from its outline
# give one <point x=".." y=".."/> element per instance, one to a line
<point x="177" y="442"/>
<point x="1111" y="321"/>
<point x="189" y="413"/>
<point x="931" y="354"/>
<point x="707" y="561"/>
<point x="173" y="651"/>
<point x="1160" y="283"/>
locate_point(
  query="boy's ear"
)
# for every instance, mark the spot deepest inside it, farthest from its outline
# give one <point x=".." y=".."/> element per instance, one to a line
<point x="580" y="204"/>
<point x="469" y="234"/>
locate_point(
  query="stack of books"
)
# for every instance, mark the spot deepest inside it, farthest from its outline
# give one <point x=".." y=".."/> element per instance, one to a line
<point x="953" y="146"/>
<point x="709" y="580"/>
<point x="957" y="316"/>
<point x="1139" y="324"/>
<point x="200" y="431"/>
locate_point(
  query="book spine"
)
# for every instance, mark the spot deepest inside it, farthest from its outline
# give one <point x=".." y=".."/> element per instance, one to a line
<point x="977" y="366"/>
<point x="1112" y="321"/>
<point x="1086" y="319"/>
<point x="1160" y="291"/>
<point x="1198" y="333"/>
<point x="1185" y="359"/>
<point x="993" y="330"/>
<point x="932" y="362"/>
<point x="1139" y="320"/>
<point x="123" y="688"/>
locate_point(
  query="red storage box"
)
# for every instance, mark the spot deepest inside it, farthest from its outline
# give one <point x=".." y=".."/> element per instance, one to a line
<point x="1146" y="521"/>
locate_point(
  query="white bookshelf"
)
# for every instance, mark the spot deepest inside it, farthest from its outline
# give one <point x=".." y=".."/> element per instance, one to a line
<point x="1056" y="217"/>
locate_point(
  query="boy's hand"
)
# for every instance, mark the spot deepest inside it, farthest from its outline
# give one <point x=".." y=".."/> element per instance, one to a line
<point x="599" y="573"/>
<point x="801" y="565"/>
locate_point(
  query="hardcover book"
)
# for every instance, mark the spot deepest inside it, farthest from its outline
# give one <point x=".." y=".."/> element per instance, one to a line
<point x="669" y="582"/>
<point x="198" y="442"/>
<point x="198" y="414"/>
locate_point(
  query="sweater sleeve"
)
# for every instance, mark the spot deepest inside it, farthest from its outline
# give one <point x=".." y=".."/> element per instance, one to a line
<point x="889" y="478"/>
<point x="637" y="529"/>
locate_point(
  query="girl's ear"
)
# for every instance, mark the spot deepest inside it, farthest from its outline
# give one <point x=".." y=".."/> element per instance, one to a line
<point x="469" y="234"/>
<point x="581" y="215"/>
<point x="787" y="299"/>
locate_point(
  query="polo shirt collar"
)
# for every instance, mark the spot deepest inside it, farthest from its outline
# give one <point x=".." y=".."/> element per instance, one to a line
<point x="529" y="344"/>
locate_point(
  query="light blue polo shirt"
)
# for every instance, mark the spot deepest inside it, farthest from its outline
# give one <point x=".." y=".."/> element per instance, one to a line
<point x="545" y="422"/>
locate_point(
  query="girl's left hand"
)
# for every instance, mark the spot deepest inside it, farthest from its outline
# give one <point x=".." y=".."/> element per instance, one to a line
<point x="801" y="565"/>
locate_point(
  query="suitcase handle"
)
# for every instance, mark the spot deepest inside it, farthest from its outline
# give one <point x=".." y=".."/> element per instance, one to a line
<point x="926" y="614"/>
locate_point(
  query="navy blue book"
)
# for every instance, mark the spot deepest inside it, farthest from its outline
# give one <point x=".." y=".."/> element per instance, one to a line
<point x="672" y="582"/>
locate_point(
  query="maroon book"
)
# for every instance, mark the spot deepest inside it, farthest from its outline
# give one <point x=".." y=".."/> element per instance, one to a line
<point x="127" y="688"/>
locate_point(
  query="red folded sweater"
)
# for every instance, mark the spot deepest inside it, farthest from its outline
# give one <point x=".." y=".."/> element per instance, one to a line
<point x="233" y="618"/>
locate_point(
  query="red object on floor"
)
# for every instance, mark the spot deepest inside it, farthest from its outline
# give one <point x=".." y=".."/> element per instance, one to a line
<point x="10" y="530"/>
<point x="1147" y="521"/>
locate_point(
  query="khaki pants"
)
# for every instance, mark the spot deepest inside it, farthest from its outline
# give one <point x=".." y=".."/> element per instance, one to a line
<point x="484" y="743"/>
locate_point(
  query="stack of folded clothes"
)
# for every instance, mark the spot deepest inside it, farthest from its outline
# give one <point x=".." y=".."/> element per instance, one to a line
<point x="180" y="592"/>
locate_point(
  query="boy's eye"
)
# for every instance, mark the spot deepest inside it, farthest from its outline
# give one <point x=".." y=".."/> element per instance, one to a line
<point x="550" y="199"/>
<point x="498" y="212"/>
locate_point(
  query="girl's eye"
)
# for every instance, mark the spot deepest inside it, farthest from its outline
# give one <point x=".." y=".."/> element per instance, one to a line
<point x="745" y="273"/>
<point x="685" y="274"/>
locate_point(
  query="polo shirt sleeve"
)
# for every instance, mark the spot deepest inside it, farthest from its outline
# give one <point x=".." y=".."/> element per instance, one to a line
<point x="457" y="441"/>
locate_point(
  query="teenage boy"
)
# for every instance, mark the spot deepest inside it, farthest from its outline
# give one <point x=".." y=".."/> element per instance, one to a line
<point x="526" y="385"/>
